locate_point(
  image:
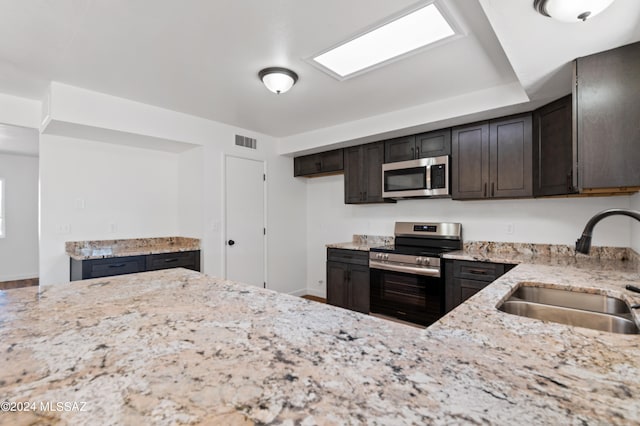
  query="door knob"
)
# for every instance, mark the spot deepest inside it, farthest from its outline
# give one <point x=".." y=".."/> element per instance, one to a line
<point x="231" y="242"/>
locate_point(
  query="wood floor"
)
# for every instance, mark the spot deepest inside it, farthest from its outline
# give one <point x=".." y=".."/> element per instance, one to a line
<point x="314" y="298"/>
<point x="8" y="285"/>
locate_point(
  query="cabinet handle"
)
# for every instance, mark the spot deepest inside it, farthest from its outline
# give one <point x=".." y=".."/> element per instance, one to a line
<point x="569" y="181"/>
<point x="417" y="152"/>
<point x="318" y="165"/>
<point x="364" y="197"/>
<point x="119" y="265"/>
<point x="477" y="271"/>
<point x="485" y="190"/>
<point x="171" y="260"/>
<point x="413" y="153"/>
<point x="492" y="191"/>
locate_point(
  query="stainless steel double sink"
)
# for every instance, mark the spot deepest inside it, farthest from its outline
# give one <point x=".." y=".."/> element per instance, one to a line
<point x="576" y="308"/>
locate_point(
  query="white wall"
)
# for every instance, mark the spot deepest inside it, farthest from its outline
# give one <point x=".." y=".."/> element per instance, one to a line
<point x="556" y="221"/>
<point x="199" y="200"/>
<point x="19" y="249"/>
<point x="88" y="186"/>
<point x="635" y="225"/>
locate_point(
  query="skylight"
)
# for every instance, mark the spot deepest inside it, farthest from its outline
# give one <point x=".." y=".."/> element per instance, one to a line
<point x="412" y="31"/>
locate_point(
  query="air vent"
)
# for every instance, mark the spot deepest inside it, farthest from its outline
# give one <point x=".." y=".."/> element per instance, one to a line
<point x="246" y="141"/>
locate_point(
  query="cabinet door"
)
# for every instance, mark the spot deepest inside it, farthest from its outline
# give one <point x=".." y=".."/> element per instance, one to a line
<point x="608" y="111"/>
<point x="185" y="259"/>
<point x="467" y="288"/>
<point x="470" y="161"/>
<point x="400" y="149"/>
<point x="353" y="175"/>
<point x="510" y="157"/>
<point x="553" y="149"/>
<point x="98" y="268"/>
<point x="332" y="161"/>
<point x="359" y="288"/>
<point x="433" y="144"/>
<point x="373" y="156"/>
<point x="307" y="165"/>
<point x="337" y="284"/>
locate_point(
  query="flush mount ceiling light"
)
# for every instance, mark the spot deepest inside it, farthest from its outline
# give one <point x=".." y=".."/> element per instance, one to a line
<point x="571" y="10"/>
<point x="278" y="80"/>
<point x="393" y="39"/>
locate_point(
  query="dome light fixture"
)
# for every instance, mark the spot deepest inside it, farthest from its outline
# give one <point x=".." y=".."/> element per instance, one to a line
<point x="571" y="10"/>
<point x="278" y="80"/>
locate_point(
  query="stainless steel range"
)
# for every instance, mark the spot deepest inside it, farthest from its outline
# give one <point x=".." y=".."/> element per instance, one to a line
<point x="406" y="278"/>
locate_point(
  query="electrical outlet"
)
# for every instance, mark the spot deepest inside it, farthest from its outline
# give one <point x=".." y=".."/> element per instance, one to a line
<point x="113" y="228"/>
<point x="79" y="203"/>
<point x="510" y="228"/>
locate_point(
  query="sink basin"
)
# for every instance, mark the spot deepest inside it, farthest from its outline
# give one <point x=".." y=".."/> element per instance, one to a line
<point x="595" y="311"/>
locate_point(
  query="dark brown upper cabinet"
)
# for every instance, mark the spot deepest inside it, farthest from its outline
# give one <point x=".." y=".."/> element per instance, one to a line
<point x="607" y="111"/>
<point x="553" y="159"/>
<point x="363" y="173"/>
<point x="430" y="144"/>
<point x="470" y="161"/>
<point x="493" y="159"/>
<point x="323" y="163"/>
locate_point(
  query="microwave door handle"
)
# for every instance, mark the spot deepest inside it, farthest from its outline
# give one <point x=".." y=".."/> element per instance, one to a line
<point x="428" y="171"/>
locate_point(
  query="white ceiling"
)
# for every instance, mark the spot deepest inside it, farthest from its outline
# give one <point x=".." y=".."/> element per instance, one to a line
<point x="202" y="57"/>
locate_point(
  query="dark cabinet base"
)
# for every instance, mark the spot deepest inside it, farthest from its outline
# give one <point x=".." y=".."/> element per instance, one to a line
<point x="348" y="279"/>
<point x="107" y="267"/>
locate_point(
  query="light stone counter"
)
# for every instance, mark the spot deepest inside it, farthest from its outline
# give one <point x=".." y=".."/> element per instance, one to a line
<point x="98" y="249"/>
<point x="178" y="347"/>
<point x="363" y="242"/>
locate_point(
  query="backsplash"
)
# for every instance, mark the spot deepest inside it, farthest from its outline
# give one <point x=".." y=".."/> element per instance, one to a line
<point x="372" y="240"/>
<point x="530" y="249"/>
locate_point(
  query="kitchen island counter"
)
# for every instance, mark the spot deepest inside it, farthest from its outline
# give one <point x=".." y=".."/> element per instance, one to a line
<point x="178" y="347"/>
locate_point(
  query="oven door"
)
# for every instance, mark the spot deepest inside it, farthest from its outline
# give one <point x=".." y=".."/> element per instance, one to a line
<point x="410" y="297"/>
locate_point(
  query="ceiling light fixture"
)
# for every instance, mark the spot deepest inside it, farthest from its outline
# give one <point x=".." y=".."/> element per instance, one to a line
<point x="571" y="10"/>
<point x="406" y="34"/>
<point x="278" y="80"/>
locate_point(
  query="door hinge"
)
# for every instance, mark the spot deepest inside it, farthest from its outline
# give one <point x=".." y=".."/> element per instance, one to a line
<point x="264" y="177"/>
<point x="264" y="231"/>
<point x="264" y="285"/>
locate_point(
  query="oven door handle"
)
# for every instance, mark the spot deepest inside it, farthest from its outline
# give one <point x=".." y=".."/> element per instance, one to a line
<point x="429" y="272"/>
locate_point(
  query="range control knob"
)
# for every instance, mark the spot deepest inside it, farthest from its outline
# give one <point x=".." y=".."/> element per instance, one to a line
<point x="386" y="257"/>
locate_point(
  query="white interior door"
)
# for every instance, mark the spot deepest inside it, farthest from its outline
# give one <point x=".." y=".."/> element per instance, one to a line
<point x="245" y="220"/>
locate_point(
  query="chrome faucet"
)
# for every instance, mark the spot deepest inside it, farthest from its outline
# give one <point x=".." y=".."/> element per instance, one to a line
<point x="583" y="245"/>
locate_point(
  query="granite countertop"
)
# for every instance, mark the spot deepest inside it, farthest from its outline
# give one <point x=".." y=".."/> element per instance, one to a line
<point x="363" y="242"/>
<point x="179" y="347"/>
<point x="599" y="258"/>
<point x="99" y="249"/>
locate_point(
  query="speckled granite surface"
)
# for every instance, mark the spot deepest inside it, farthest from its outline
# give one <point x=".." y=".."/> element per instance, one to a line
<point x="363" y="242"/>
<point x="83" y="250"/>
<point x="178" y="347"/>
<point x="606" y="258"/>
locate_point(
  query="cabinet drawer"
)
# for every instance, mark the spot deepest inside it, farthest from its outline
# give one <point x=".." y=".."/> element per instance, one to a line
<point x="185" y="259"/>
<point x="115" y="266"/>
<point x="478" y="271"/>
<point x="353" y="257"/>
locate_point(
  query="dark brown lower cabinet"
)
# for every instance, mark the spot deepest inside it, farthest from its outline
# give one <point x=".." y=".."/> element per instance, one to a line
<point x="348" y="279"/>
<point x="111" y="266"/>
<point x="464" y="278"/>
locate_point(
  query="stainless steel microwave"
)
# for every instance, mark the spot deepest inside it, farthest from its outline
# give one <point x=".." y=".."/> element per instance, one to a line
<point x="426" y="177"/>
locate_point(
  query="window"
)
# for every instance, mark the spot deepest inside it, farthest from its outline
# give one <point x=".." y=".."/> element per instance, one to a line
<point x="1" y="208"/>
